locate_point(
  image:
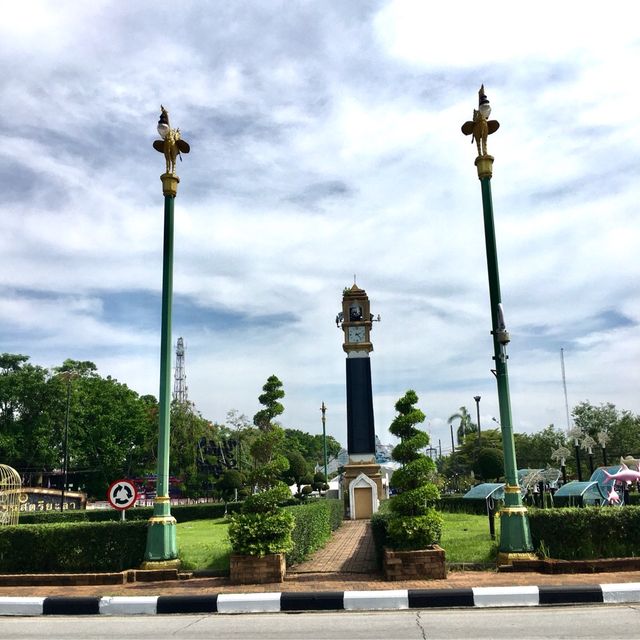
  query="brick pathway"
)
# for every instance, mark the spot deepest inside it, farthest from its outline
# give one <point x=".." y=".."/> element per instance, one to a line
<point x="350" y="550"/>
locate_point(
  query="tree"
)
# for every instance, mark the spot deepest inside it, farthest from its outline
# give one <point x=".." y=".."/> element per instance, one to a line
<point x="109" y="433"/>
<point x="489" y="464"/>
<point x="188" y="430"/>
<point x="108" y="425"/>
<point x="30" y="418"/>
<point x="311" y="446"/>
<point x="299" y="471"/>
<point x="622" y="427"/>
<point x="458" y="466"/>
<point x="267" y="449"/>
<point x="269" y="460"/>
<point x="411" y="439"/>
<point x="81" y="368"/>
<point x="243" y="434"/>
<point x="230" y="482"/>
<point x="534" y="450"/>
<point x="319" y="482"/>
<point x="269" y="399"/>
<point x="591" y="419"/>
<point x="465" y="425"/>
<point x="414" y="523"/>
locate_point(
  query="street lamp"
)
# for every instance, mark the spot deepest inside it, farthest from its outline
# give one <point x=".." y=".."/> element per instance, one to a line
<point x="323" y="408"/>
<point x="68" y="376"/>
<point x="515" y="536"/>
<point x="576" y="434"/>
<point x="161" y="534"/>
<point x="477" y="399"/>
<point x="603" y="438"/>
<point x="560" y="455"/>
<point x="587" y="444"/>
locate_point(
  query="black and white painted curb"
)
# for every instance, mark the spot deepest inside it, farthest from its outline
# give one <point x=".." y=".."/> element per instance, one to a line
<point x="321" y="600"/>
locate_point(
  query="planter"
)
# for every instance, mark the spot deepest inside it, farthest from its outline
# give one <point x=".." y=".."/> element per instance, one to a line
<point x="553" y="566"/>
<point x="257" y="569"/>
<point x="423" y="564"/>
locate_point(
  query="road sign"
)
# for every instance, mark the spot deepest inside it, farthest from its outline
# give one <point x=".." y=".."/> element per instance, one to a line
<point x="122" y="494"/>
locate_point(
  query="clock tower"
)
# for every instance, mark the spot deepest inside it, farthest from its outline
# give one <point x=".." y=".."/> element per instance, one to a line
<point x="362" y="477"/>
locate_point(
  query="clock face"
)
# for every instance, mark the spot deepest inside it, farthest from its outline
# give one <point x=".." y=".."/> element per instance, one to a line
<point x="356" y="334"/>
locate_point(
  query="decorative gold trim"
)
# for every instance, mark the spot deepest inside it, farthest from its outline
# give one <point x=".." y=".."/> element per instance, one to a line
<point x="507" y="557"/>
<point x="162" y="499"/>
<point x="164" y="520"/>
<point x="160" y="565"/>
<point x="169" y="184"/>
<point x="512" y="488"/>
<point x="357" y="346"/>
<point x="513" y="511"/>
<point x="485" y="166"/>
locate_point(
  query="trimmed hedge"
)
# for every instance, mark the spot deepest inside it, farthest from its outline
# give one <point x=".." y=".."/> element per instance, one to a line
<point x="182" y="513"/>
<point x="72" y="547"/>
<point x="379" y="526"/>
<point x="634" y="498"/>
<point x="457" y="504"/>
<point x="584" y="533"/>
<point x="314" y="522"/>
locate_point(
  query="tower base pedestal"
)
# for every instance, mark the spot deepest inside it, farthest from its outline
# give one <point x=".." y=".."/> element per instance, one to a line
<point x="362" y="482"/>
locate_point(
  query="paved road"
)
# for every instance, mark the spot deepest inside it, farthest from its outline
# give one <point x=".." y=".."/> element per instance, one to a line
<point x="553" y="623"/>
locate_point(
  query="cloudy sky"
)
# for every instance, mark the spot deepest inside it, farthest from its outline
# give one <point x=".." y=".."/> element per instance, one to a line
<point x="325" y="142"/>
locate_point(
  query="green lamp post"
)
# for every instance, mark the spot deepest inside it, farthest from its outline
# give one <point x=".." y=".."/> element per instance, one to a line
<point x="161" y="537"/>
<point x="323" y="408"/>
<point x="515" y="537"/>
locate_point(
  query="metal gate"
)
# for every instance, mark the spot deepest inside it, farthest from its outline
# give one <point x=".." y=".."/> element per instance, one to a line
<point x="10" y="484"/>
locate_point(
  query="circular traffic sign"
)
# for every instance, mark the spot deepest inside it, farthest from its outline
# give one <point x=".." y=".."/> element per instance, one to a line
<point x="122" y="494"/>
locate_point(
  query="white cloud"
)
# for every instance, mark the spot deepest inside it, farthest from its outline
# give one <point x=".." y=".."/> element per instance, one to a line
<point x="466" y="34"/>
<point x="324" y="145"/>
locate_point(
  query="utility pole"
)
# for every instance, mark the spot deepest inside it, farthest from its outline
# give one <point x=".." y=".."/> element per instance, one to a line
<point x="323" y="408"/>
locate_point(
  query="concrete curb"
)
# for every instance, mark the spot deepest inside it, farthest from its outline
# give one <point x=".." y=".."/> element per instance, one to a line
<point x="233" y="603"/>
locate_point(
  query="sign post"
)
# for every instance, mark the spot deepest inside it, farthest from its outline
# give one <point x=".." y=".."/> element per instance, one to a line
<point x="122" y="495"/>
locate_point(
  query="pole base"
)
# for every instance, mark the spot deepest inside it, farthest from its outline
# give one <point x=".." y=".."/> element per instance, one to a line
<point x="507" y="558"/>
<point x="161" y="565"/>
<point x="515" y="536"/>
<point x="161" y="539"/>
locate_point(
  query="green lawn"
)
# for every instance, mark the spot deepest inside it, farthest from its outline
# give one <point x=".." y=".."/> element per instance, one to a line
<point x="465" y="538"/>
<point x="203" y="544"/>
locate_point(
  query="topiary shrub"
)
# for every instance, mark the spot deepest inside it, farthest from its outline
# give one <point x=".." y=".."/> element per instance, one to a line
<point x="406" y="533"/>
<point x="263" y="527"/>
<point x="413" y="523"/>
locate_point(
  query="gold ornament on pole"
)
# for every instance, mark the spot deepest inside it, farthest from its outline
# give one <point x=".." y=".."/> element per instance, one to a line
<point x="480" y="128"/>
<point x="171" y="145"/>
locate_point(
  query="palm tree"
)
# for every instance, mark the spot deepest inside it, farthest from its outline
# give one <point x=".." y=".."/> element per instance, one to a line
<point x="465" y="426"/>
